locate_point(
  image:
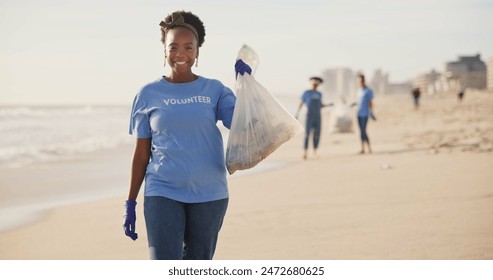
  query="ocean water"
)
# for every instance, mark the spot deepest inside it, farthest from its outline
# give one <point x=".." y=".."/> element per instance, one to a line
<point x="32" y="134"/>
<point x="36" y="134"/>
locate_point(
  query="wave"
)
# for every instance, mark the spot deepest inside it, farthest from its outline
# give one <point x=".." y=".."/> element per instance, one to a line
<point x="32" y="134"/>
<point x="46" y="111"/>
<point x="17" y="156"/>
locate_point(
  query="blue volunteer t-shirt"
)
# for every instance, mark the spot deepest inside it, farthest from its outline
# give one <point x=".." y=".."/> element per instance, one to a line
<point x="313" y="102"/>
<point x="364" y="97"/>
<point x="187" y="154"/>
<point x="310" y="95"/>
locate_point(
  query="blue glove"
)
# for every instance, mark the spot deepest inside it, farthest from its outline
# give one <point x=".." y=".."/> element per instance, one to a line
<point x="241" y="67"/>
<point x="129" y="225"/>
<point x="372" y="116"/>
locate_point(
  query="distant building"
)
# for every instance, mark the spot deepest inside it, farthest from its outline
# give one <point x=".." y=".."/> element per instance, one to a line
<point x="489" y="82"/>
<point x="470" y="71"/>
<point x="444" y="84"/>
<point x="379" y="82"/>
<point x="399" y="88"/>
<point x="339" y="82"/>
<point x="427" y="82"/>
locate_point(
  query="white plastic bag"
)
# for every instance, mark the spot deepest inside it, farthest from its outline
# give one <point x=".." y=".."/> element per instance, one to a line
<point x="249" y="56"/>
<point x="260" y="124"/>
<point x="341" y="119"/>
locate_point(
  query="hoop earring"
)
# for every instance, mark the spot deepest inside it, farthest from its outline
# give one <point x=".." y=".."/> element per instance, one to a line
<point x="165" y="57"/>
<point x="196" y="62"/>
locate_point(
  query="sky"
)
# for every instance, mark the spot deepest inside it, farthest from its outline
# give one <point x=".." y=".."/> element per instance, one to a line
<point x="98" y="52"/>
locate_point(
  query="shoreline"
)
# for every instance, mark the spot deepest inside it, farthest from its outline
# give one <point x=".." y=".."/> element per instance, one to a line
<point x="60" y="182"/>
<point x="26" y="210"/>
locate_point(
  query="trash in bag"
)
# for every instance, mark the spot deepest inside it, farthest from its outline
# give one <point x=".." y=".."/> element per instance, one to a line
<point x="260" y="124"/>
<point x="341" y="118"/>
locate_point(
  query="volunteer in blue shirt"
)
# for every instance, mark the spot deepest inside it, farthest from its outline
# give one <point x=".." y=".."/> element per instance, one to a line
<point x="179" y="149"/>
<point x="312" y="99"/>
<point x="365" y="111"/>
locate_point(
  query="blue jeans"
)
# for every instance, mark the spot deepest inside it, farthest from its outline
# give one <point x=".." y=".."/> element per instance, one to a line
<point x="177" y="230"/>
<point x="312" y="124"/>
<point x="362" y="122"/>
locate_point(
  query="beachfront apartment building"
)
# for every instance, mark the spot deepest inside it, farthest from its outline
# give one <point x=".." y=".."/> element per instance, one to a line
<point x="340" y="83"/>
<point x="343" y="82"/>
<point x="380" y="82"/>
<point x="469" y="71"/>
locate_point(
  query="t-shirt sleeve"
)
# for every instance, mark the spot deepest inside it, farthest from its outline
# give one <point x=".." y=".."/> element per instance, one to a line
<point x="139" y="119"/>
<point x="226" y="106"/>
<point x="304" y="97"/>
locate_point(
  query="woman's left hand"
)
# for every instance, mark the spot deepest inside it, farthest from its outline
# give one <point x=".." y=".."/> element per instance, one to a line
<point x="242" y="68"/>
<point x="372" y="116"/>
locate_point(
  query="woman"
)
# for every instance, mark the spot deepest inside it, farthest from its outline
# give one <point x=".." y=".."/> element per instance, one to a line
<point x="179" y="149"/>
<point x="313" y="101"/>
<point x="365" y="111"/>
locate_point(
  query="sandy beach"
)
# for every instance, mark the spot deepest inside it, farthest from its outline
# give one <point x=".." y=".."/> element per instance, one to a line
<point x="425" y="193"/>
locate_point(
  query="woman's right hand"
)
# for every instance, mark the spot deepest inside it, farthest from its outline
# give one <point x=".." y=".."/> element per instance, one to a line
<point x="130" y="218"/>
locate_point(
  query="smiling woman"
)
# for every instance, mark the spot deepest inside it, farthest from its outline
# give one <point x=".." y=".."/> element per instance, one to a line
<point x="179" y="149"/>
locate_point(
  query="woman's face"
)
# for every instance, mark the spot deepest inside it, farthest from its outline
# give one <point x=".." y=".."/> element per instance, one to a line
<point x="315" y="83"/>
<point x="181" y="49"/>
<point x="361" y="82"/>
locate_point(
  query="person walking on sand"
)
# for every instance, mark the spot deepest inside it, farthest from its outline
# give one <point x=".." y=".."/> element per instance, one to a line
<point x="365" y="111"/>
<point x="460" y="92"/>
<point x="416" y="94"/>
<point x="313" y="101"/>
<point x="179" y="149"/>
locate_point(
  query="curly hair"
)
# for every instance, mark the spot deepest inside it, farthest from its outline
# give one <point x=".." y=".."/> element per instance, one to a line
<point x="191" y="19"/>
